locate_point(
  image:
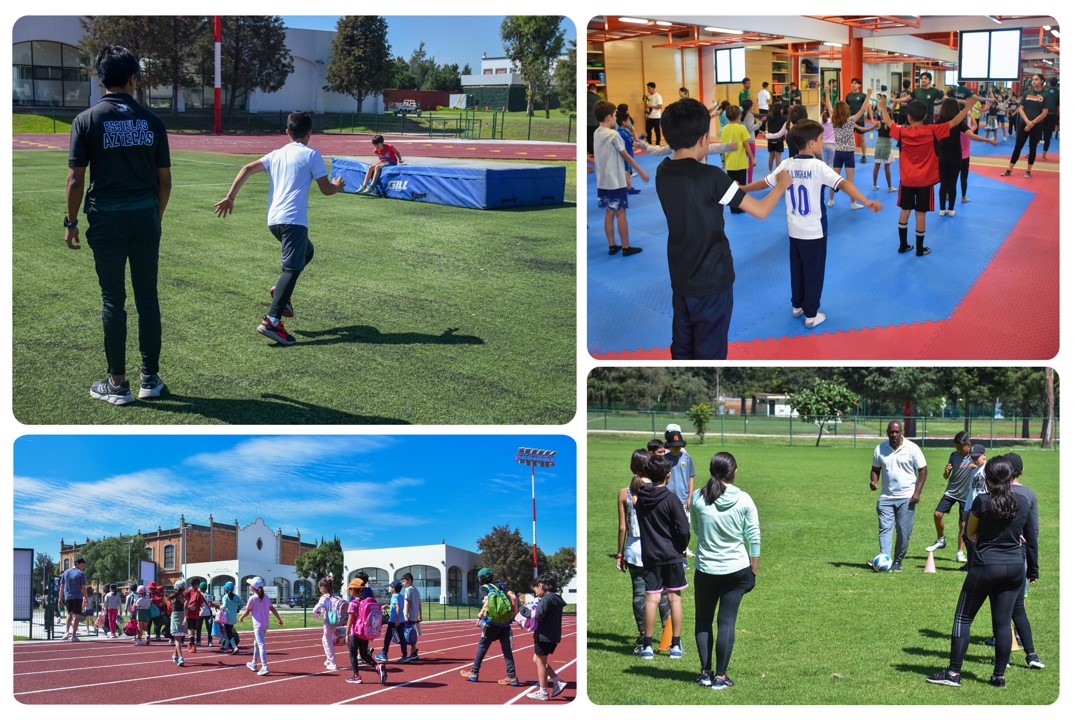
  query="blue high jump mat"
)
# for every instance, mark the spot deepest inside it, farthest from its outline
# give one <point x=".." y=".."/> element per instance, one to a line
<point x="478" y="184"/>
<point x="867" y="283"/>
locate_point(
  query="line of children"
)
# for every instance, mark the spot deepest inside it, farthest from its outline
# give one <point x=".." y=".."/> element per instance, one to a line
<point x="609" y="156"/>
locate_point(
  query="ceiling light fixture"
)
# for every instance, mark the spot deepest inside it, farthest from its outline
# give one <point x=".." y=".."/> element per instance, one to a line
<point x="993" y="19"/>
<point x="833" y="44"/>
<point x="635" y="21"/>
<point x="663" y="23"/>
<point x="722" y="30"/>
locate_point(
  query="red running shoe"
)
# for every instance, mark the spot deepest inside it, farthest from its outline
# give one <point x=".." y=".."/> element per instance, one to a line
<point x="275" y="332"/>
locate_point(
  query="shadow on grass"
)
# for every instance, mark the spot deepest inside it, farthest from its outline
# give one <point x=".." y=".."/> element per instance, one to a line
<point x="372" y="336"/>
<point x="270" y="410"/>
<point x="611" y="643"/>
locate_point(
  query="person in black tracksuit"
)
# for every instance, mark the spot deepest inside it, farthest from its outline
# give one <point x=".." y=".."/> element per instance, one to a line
<point x="665" y="534"/>
<point x="125" y="147"/>
<point x="1033" y="112"/>
<point x="1000" y="565"/>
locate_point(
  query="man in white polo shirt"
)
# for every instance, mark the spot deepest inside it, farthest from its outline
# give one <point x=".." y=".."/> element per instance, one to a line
<point x="654" y="105"/>
<point x="899" y="470"/>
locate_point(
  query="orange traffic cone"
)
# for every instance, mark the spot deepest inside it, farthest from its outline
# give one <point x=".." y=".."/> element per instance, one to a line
<point x="930" y="564"/>
<point x="665" y="639"/>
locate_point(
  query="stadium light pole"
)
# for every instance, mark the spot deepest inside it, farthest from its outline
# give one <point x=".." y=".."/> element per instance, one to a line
<point x="217" y="120"/>
<point x="535" y="458"/>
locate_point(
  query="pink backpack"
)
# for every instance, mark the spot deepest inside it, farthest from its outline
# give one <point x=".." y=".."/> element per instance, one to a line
<point x="369" y="620"/>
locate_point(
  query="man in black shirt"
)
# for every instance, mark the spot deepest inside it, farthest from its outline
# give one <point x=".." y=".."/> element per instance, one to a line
<point x="855" y="99"/>
<point x="126" y="148"/>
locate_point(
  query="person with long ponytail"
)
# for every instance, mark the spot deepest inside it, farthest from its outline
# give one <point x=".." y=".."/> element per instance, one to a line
<point x="724" y="520"/>
<point x="999" y="522"/>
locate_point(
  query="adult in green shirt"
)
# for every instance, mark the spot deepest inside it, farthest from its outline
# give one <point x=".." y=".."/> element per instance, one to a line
<point x="745" y="94"/>
<point x="931" y="96"/>
<point x="855" y="99"/>
<point x="792" y="96"/>
<point x="833" y="91"/>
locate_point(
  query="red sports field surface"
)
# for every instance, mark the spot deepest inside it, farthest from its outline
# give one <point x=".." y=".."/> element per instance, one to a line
<point x="115" y="672"/>
<point x="340" y="145"/>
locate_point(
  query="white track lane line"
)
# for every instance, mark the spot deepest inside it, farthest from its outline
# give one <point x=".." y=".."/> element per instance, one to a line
<point x="528" y="690"/>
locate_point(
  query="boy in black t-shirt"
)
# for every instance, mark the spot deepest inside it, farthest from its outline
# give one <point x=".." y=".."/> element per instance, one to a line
<point x="692" y="196"/>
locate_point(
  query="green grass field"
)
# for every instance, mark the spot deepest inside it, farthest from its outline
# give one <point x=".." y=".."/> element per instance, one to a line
<point x="409" y="313"/>
<point x="820" y="627"/>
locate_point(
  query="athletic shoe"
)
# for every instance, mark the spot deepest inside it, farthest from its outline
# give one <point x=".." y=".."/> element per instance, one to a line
<point x="876" y="187"/>
<point x="613" y="249"/>
<point x="647" y="652"/>
<point x="115" y="394"/>
<point x="942" y="213"/>
<point x="541" y="694"/>
<point x="66" y="636"/>
<point x="721" y="682"/>
<point x="960" y="556"/>
<point x="288" y="311"/>
<point x="354" y="680"/>
<point x="997" y="681"/>
<point x="380" y="657"/>
<point x="382" y="669"/>
<point x="413" y="655"/>
<point x="864" y="158"/>
<point x="263" y="670"/>
<point x="896" y="567"/>
<point x="510" y="680"/>
<point x="945" y="678"/>
<point x="151" y="386"/>
<point x="891" y="189"/>
<point x="181" y="662"/>
<point x="675" y="653"/>
<point x="331" y="667"/>
<point x="951" y="212"/>
<point x="1005" y="173"/>
<point x="193" y="648"/>
<point x="561" y="685"/>
<point x="633" y="191"/>
<point x="812" y="322"/>
<point x="965" y="199"/>
<point x="275" y="332"/>
<point x="470" y="675"/>
<point x="175" y="658"/>
<point x="704" y="680"/>
<point x="1034" y="662"/>
<point x="831" y="203"/>
<point x="137" y="643"/>
<point x="923" y="252"/>
<point x="940" y="544"/>
<point x="631" y="251"/>
<point x="235" y="650"/>
<point x="404" y="659"/>
<point x="797" y="312"/>
<point x="252" y="665"/>
<point x="1027" y="175"/>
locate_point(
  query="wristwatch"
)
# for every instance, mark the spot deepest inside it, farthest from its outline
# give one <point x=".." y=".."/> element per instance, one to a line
<point x="70" y="224"/>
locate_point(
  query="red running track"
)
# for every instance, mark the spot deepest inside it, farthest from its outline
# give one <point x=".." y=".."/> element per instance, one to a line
<point x="103" y="671"/>
<point x="340" y="145"/>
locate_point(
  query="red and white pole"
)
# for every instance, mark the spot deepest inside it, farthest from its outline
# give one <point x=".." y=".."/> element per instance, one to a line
<point x="217" y="121"/>
<point x="533" y="495"/>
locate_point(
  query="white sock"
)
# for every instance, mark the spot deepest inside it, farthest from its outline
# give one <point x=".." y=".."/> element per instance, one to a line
<point x="274" y="320"/>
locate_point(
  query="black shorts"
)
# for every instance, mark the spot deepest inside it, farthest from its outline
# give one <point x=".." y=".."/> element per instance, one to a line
<point x="543" y="649"/>
<point x="296" y="250"/>
<point x="775" y="146"/>
<point x="74" y="607"/>
<point x="671" y="576"/>
<point x="919" y="199"/>
<point x="947" y="502"/>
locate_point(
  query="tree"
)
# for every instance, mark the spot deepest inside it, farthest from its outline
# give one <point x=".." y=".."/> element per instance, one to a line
<point x="561" y="566"/>
<point x="323" y="561"/>
<point x="44" y="571"/>
<point x="136" y="33"/>
<point x="421" y="65"/>
<point x="445" y="78"/>
<point x="533" y="43"/>
<point x="1048" y="429"/>
<point x="254" y="55"/>
<point x="700" y="415"/>
<point x="182" y="40"/>
<point x="110" y="559"/>
<point x="402" y="77"/>
<point x="565" y="79"/>
<point x="360" y="61"/>
<point x="509" y="557"/>
<point x="824" y="402"/>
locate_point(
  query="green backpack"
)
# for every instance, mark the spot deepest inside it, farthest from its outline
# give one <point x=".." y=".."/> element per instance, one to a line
<point x="499" y="606"/>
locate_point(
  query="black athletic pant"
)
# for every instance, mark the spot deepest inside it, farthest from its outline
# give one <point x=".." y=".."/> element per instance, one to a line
<point x="637" y="583"/>
<point x="1000" y="585"/>
<point x="1048" y="131"/>
<point x="117" y="238"/>
<point x="1021" y="624"/>
<point x="391" y="630"/>
<point x="489" y="635"/>
<point x="652" y="131"/>
<point x="296" y="251"/>
<point x="964" y="175"/>
<point x="949" y="170"/>
<point x="726" y="591"/>
<point x="359" y="646"/>
<point x="1033" y="136"/>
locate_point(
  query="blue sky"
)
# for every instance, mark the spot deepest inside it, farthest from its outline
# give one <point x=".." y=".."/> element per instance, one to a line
<point x="371" y="490"/>
<point x="455" y="39"/>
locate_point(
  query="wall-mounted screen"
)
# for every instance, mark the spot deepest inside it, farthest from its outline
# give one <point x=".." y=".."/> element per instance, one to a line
<point x="989" y="54"/>
<point x="730" y="65"/>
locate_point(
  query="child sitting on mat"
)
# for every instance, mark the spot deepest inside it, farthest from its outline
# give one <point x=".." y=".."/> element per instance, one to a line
<point x="388" y="155"/>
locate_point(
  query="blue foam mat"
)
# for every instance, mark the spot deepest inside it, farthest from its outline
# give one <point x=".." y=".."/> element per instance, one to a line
<point x="867" y="283"/>
<point x="1004" y="148"/>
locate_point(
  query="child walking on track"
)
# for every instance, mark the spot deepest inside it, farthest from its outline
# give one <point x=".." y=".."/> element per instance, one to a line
<point x="549" y="616"/>
<point x="258" y="607"/>
<point x="178" y="620"/>
<point x="292" y="169"/>
<point x="231" y="602"/>
<point x="395" y="623"/>
<point x="497" y="613"/>
<point x="328" y="607"/>
<point x="364" y="621"/>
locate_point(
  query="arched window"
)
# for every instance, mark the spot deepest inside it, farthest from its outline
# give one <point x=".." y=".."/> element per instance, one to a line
<point x="471" y="584"/>
<point x="454" y="585"/>
<point x="67" y="563"/>
<point x="426" y="580"/>
<point x="149" y="553"/>
<point x="169" y="557"/>
<point x="50" y="74"/>
<point x="376" y="575"/>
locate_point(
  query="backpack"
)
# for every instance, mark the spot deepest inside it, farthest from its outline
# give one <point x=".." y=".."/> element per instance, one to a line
<point x="525" y="617"/>
<point x="370" y="619"/>
<point x="499" y="606"/>
<point x="336" y="612"/>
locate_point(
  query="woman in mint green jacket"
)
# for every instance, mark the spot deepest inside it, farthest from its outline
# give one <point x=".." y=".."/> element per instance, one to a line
<point x="724" y="521"/>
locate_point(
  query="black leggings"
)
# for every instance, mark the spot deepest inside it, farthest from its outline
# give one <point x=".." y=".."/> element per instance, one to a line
<point x="1048" y="130"/>
<point x="652" y="131"/>
<point x="1033" y="136"/>
<point x="1021" y="624"/>
<point x="359" y="646"/>
<point x="964" y="175"/>
<point x="725" y="591"/>
<point x="1000" y="585"/>
<point x="949" y="170"/>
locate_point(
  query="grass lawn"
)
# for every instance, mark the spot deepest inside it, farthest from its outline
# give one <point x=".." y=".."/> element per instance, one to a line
<point x="819" y="628"/>
<point x="409" y="313"/>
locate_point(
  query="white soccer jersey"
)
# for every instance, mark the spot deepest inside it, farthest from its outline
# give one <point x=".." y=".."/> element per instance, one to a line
<point x="807" y="216"/>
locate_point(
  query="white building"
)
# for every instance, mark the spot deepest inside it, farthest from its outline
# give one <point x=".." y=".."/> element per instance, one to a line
<point x="442" y="573"/>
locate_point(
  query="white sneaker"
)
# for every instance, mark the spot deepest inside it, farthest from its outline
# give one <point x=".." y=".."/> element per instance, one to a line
<point x="330" y="667"/>
<point x="137" y="643"/>
<point x="940" y="544"/>
<point x="942" y="213"/>
<point x="815" y="320"/>
<point x="831" y="203"/>
<point x="960" y="556"/>
<point x="561" y="685"/>
<point x="951" y="212"/>
<point x="797" y="312"/>
<point x="876" y="187"/>
<point x="263" y="670"/>
<point x="856" y="206"/>
<point x="891" y="189"/>
<point x="252" y="665"/>
<point x="66" y="636"/>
